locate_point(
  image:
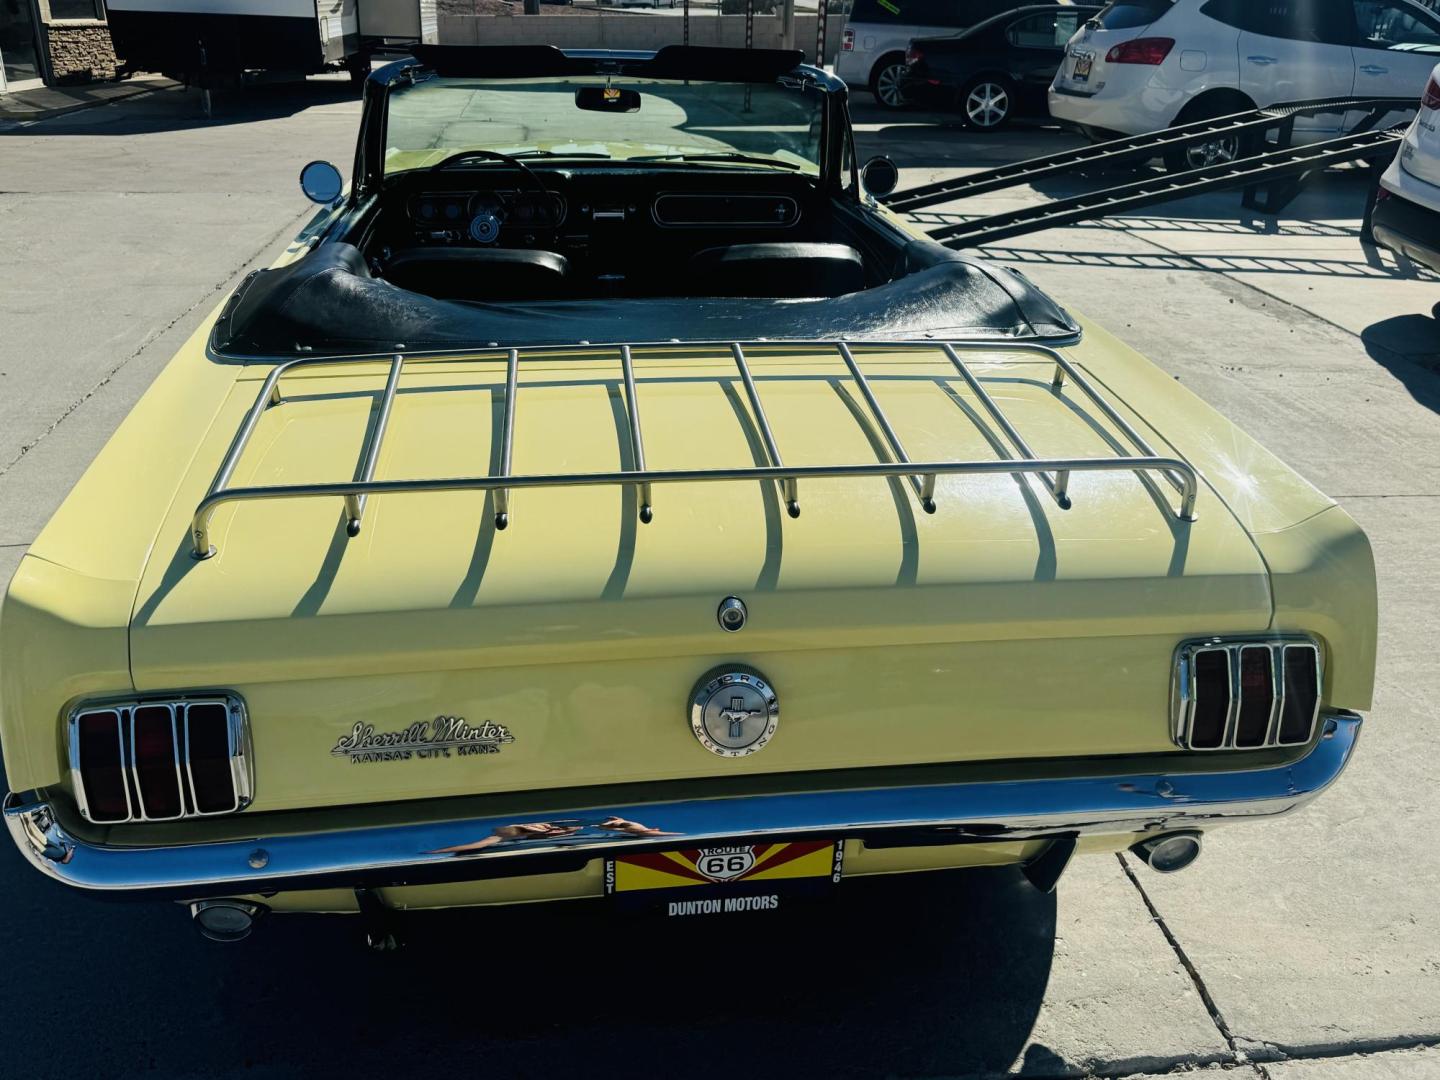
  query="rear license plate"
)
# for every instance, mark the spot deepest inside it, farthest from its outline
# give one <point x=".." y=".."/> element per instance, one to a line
<point x="1083" y="63"/>
<point x="724" y="880"/>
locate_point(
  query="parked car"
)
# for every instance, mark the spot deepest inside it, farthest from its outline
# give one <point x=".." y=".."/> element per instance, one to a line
<point x="383" y="596"/>
<point x="877" y="33"/>
<point x="1406" y="217"/>
<point x="999" y="69"/>
<point x="1143" y="65"/>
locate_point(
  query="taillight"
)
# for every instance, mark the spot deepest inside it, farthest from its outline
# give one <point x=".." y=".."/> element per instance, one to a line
<point x="1246" y="695"/>
<point x="210" y="751"/>
<point x="1145" y="50"/>
<point x="156" y="761"/>
<point x="1211" y="712"/>
<point x="98" y="744"/>
<point x="847" y="40"/>
<point x="1302" y="693"/>
<point x="1257" y="696"/>
<point x="1431" y="100"/>
<point x="914" y="55"/>
<point x="160" y="760"/>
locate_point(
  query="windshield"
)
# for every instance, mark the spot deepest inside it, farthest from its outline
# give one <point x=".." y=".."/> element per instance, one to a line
<point x="777" y="125"/>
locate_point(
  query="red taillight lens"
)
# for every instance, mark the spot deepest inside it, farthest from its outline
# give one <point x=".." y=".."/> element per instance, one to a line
<point x="1212" y="699"/>
<point x="914" y="55"/>
<point x="207" y="737"/>
<point x="1301" y="671"/>
<point x="156" y="773"/>
<point x="847" y="40"/>
<point x="1257" y="696"/>
<point x="1431" y="100"/>
<point x="1145" y="50"/>
<point x="101" y="755"/>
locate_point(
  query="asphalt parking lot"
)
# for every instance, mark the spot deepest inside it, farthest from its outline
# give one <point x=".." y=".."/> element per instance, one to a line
<point x="1305" y="949"/>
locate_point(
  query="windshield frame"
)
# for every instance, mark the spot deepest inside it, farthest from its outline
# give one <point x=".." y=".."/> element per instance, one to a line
<point x="710" y="65"/>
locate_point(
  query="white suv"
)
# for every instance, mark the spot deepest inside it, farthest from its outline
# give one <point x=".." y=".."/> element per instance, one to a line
<point x="1143" y="65"/>
<point x="1406" y="217"/>
<point x="878" y="33"/>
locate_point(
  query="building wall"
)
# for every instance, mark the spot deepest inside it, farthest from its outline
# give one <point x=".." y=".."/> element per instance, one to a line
<point x="79" y="52"/>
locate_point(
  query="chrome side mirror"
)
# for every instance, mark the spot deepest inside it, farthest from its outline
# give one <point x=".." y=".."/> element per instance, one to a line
<point x="879" y="176"/>
<point x="321" y="182"/>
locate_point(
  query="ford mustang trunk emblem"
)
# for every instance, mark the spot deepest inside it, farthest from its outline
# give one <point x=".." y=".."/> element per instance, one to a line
<point x="734" y="711"/>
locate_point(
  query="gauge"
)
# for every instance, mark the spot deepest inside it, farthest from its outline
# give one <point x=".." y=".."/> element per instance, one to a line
<point x="528" y="208"/>
<point x="485" y="227"/>
<point x="440" y="208"/>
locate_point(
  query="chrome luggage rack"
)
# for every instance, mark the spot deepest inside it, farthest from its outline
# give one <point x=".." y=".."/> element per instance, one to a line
<point x="1019" y="458"/>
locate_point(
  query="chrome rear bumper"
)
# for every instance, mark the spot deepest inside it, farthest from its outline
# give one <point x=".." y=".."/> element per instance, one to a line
<point x="526" y="844"/>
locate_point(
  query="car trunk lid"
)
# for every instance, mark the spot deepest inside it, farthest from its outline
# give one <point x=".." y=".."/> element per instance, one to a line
<point x="998" y="627"/>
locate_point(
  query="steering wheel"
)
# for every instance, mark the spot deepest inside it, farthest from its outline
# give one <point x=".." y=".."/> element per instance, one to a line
<point x="546" y="203"/>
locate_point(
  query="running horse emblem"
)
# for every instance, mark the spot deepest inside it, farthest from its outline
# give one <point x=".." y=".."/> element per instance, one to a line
<point x="736" y="715"/>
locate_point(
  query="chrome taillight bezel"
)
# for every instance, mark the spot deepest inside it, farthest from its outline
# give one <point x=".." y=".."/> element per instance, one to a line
<point x="178" y="706"/>
<point x="1184" y="696"/>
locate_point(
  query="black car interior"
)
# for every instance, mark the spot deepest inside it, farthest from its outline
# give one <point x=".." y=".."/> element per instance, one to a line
<point x="489" y="232"/>
<point x="486" y="247"/>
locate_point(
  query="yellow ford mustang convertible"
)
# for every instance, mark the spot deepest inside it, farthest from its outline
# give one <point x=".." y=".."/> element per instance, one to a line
<point x="605" y="496"/>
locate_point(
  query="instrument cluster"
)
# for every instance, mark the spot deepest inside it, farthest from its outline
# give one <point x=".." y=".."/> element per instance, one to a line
<point x="479" y="216"/>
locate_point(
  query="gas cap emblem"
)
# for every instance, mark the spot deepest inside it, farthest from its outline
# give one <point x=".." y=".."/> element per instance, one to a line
<point x="734" y="711"/>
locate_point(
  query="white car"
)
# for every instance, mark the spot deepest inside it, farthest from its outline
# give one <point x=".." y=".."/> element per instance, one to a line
<point x="1143" y="65"/>
<point x="878" y="33"/>
<point x="1406" y="218"/>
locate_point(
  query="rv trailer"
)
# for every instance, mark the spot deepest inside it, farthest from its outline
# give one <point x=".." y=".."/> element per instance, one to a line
<point x="211" y="43"/>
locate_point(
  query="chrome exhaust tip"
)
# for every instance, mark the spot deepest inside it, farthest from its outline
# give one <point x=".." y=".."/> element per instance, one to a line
<point x="225" y="920"/>
<point x="1169" y="853"/>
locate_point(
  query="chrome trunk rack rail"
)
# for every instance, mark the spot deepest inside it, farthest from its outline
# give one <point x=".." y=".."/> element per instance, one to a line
<point x="1016" y="458"/>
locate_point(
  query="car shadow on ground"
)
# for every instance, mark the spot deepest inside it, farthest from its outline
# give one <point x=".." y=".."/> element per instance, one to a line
<point x="940" y="973"/>
<point x="182" y="109"/>
<point x="1330" y="209"/>
<point x="1408" y="347"/>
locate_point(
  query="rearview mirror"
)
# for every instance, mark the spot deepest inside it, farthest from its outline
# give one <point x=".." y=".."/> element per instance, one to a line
<point x="321" y="182"/>
<point x="607" y="99"/>
<point x="879" y="176"/>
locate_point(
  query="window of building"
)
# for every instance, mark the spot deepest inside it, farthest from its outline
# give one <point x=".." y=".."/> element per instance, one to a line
<point x="75" y="9"/>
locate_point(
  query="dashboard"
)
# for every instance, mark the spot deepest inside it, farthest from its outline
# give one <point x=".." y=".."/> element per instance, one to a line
<point x="506" y="208"/>
<point x="626" y="226"/>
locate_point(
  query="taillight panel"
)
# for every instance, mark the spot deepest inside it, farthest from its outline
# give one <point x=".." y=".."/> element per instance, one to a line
<point x="1245" y="694"/>
<point x="1431" y="99"/>
<point x="160" y="759"/>
<point x="1145" y="50"/>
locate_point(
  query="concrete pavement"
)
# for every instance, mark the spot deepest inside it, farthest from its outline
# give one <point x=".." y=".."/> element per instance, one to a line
<point x="1313" y="938"/>
<point x="46" y="102"/>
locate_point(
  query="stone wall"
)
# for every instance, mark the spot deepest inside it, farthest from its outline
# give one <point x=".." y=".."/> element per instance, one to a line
<point x="80" y="54"/>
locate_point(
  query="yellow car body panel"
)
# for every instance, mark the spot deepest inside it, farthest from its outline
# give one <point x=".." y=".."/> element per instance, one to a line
<point x="429" y="610"/>
<point x="1000" y="635"/>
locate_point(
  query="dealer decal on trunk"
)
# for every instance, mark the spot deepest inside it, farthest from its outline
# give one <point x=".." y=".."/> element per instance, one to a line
<point x="443" y="737"/>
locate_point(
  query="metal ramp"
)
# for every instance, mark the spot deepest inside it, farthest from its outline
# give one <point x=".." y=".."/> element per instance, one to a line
<point x="1278" y="169"/>
<point x="1015" y="458"/>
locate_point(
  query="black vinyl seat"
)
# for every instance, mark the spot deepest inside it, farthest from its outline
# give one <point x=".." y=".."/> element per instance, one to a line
<point x="475" y="273"/>
<point x="329" y="302"/>
<point x="776" y="270"/>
